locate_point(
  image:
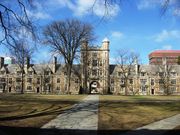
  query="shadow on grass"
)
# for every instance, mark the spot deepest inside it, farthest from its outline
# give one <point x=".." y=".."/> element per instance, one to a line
<point x="4" y="130"/>
<point x="134" y="114"/>
<point x="169" y="105"/>
<point x="88" y="106"/>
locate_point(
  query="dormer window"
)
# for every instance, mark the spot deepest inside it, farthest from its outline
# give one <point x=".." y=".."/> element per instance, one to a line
<point x="30" y="72"/>
<point x="10" y="80"/>
<point x="38" y="80"/>
<point x="100" y="63"/>
<point x="46" y="72"/>
<point x="94" y="55"/>
<point x="18" y="72"/>
<point x="58" y="80"/>
<point x="76" y="81"/>
<point x="47" y="80"/>
<point x="94" y="72"/>
<point x="94" y="63"/>
<point x="143" y="73"/>
<point x="29" y="87"/>
<point x="161" y="73"/>
<point x="3" y="79"/>
<point x="131" y="81"/>
<point x="65" y="73"/>
<point x="29" y="80"/>
<point x="2" y="72"/>
<point x="173" y="74"/>
<point x="173" y="81"/>
<point x="143" y="81"/>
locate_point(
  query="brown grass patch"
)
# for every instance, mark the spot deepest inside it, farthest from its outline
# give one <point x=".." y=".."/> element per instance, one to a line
<point x="130" y="112"/>
<point x="29" y="110"/>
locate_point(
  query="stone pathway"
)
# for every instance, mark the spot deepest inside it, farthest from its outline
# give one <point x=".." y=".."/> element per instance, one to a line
<point x="83" y="116"/>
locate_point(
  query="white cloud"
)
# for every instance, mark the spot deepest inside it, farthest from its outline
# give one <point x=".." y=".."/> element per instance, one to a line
<point x="165" y="35"/>
<point x="167" y="47"/>
<point x="38" y="12"/>
<point x="173" y="7"/>
<point x="117" y="34"/>
<point x="177" y="12"/>
<point x="85" y="7"/>
<point x="148" y="4"/>
<point x="112" y="60"/>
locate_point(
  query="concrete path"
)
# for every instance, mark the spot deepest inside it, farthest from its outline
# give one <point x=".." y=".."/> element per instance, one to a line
<point x="165" y="124"/>
<point x="83" y="116"/>
<point x="157" y="128"/>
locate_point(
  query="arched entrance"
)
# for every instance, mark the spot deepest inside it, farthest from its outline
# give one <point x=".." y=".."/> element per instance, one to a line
<point x="94" y="87"/>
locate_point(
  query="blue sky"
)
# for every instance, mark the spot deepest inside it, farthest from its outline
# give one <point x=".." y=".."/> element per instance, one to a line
<point x="136" y="25"/>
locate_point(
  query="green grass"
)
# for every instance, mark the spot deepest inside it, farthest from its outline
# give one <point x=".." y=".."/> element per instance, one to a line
<point x="130" y="112"/>
<point x="30" y="110"/>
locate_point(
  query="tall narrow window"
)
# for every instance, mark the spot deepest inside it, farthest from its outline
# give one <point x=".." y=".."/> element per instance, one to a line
<point x="58" y="80"/>
<point x="94" y="63"/>
<point x="152" y="82"/>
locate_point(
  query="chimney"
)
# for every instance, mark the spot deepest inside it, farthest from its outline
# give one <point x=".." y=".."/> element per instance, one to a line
<point x="27" y="62"/>
<point x="164" y="61"/>
<point x="136" y="66"/>
<point x="55" y="64"/>
<point x="1" y="62"/>
<point x="84" y="44"/>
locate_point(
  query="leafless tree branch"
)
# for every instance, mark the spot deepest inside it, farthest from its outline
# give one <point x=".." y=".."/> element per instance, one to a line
<point x="65" y="38"/>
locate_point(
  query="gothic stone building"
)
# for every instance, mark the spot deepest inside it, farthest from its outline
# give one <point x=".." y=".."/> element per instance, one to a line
<point x="93" y="75"/>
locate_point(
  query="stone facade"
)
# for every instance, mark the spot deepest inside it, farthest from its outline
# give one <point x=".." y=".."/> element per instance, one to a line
<point x="95" y="67"/>
<point x="93" y="75"/>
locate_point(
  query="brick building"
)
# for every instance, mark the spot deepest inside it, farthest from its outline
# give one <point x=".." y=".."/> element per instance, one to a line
<point x="164" y="56"/>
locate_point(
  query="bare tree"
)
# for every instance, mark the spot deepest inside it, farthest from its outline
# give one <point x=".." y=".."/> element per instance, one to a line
<point x="22" y="52"/>
<point x="170" y="5"/>
<point x="64" y="38"/>
<point x="126" y="61"/>
<point x="164" y="6"/>
<point x="46" y="79"/>
<point x="13" y="16"/>
<point x="178" y="61"/>
<point x="165" y="78"/>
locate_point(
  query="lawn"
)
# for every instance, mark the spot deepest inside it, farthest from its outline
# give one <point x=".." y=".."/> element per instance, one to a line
<point x="115" y="112"/>
<point x="30" y="110"/>
<point x="130" y="112"/>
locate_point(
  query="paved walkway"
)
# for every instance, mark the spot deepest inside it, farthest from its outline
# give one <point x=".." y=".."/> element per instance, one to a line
<point x="83" y="116"/>
<point x="165" y="124"/>
<point x="157" y="128"/>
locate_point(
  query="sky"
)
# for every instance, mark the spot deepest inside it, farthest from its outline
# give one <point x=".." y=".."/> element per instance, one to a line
<point x="134" y="25"/>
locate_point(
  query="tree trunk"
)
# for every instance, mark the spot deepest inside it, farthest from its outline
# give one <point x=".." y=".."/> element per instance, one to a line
<point x="22" y="82"/>
<point x="68" y="78"/>
<point x="126" y="88"/>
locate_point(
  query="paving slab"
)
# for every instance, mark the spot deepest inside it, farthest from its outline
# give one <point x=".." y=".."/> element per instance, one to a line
<point x="82" y="116"/>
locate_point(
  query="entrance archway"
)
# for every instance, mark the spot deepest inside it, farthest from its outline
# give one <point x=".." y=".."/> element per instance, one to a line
<point x="94" y="87"/>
